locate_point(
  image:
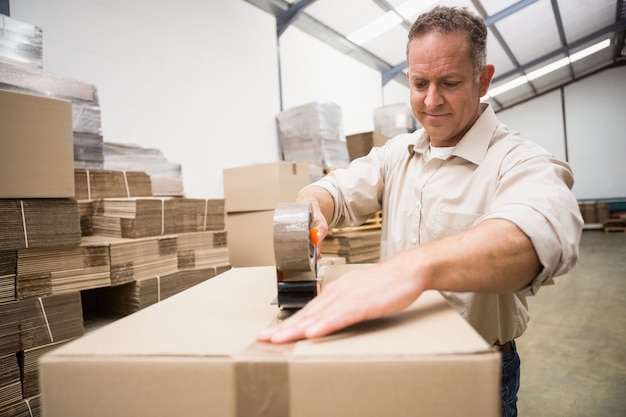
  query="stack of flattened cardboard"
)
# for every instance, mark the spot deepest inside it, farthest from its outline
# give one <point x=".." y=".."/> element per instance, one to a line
<point x="38" y="321"/>
<point x="138" y="259"/>
<point x="356" y="246"/>
<point x="28" y="329"/>
<point x="91" y="184"/>
<point x="135" y="217"/>
<point x="132" y="297"/>
<point x="26" y="407"/>
<point x="59" y="269"/>
<point x="198" y="256"/>
<point x="10" y="383"/>
<point x="35" y="223"/>
<point x="30" y="366"/>
<point x="203" y="250"/>
<point x="199" y="214"/>
<point x="8" y="270"/>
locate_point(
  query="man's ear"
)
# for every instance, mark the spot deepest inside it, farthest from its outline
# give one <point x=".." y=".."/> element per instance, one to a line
<point x="485" y="78"/>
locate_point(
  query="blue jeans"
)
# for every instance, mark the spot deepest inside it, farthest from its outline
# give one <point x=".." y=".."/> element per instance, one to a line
<point x="510" y="382"/>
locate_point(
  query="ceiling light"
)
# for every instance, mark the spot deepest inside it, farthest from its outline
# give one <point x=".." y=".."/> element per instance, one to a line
<point x="387" y="21"/>
<point x="591" y="50"/>
<point x="375" y="28"/>
<point x="547" y="69"/>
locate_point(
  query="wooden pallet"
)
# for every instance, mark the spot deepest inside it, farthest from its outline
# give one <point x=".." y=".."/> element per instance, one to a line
<point x="615" y="225"/>
<point x="374" y="222"/>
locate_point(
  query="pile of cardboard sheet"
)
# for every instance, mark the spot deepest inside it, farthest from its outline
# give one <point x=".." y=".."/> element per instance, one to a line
<point x="202" y="250"/>
<point x="8" y="270"/>
<point x="105" y="183"/>
<point x="138" y="217"/>
<point x="198" y="256"/>
<point x="35" y="322"/>
<point x="39" y="222"/>
<point x="10" y="383"/>
<point x="28" y="329"/>
<point x="135" y="217"/>
<point x="59" y="269"/>
<point x="137" y="259"/>
<point x="199" y="214"/>
<point x="356" y="246"/>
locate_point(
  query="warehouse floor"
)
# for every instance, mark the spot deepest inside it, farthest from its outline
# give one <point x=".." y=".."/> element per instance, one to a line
<point x="572" y="354"/>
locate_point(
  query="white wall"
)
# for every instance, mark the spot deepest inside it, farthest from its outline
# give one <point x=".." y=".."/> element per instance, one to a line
<point x="541" y="120"/>
<point x="595" y="109"/>
<point x="587" y="118"/>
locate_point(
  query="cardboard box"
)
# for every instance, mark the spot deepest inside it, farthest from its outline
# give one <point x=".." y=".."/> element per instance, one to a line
<point x="195" y="354"/>
<point x="360" y="144"/>
<point x="251" y="238"/>
<point x="36" y="147"/>
<point x="261" y="186"/>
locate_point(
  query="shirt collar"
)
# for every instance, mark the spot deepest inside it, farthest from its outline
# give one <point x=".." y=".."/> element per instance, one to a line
<point x="473" y="145"/>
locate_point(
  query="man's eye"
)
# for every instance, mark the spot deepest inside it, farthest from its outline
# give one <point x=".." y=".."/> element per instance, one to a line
<point x="451" y="84"/>
<point x="420" y="85"/>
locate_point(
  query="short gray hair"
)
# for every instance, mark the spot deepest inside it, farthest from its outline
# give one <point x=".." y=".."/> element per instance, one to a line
<point x="454" y="19"/>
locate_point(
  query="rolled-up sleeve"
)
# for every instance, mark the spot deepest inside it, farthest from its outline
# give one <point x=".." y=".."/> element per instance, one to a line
<point x="538" y="199"/>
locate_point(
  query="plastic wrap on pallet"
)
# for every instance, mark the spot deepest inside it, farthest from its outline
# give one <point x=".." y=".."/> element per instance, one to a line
<point x="393" y="119"/>
<point x="166" y="176"/>
<point x="86" y="118"/>
<point x="88" y="150"/>
<point x="37" y="81"/>
<point x="20" y="42"/>
<point x="313" y="133"/>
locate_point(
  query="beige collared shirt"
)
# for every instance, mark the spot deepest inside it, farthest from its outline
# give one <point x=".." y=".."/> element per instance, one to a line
<point x="493" y="172"/>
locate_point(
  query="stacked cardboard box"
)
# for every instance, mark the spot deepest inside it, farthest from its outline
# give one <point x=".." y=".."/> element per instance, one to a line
<point x="195" y="354"/>
<point x="251" y="194"/>
<point x="360" y="144"/>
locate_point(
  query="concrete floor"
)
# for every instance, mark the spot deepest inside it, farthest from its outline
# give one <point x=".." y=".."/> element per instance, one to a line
<point x="573" y="353"/>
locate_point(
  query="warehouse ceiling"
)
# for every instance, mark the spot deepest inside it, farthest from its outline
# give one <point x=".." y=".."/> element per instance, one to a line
<point x="535" y="45"/>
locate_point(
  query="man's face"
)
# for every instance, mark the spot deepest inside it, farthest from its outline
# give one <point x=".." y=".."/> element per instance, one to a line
<point x="445" y="95"/>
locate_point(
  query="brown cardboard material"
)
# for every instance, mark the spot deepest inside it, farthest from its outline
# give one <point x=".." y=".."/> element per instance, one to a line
<point x="360" y="144"/>
<point x="194" y="354"/>
<point x="36" y="147"/>
<point x="260" y="186"/>
<point x="251" y="238"/>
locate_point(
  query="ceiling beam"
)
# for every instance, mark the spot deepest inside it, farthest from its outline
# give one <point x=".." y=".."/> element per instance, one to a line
<point x="318" y="30"/>
<point x="616" y="27"/>
<point x="284" y="19"/>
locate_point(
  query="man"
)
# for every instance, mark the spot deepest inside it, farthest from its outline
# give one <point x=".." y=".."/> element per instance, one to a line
<point x="470" y="208"/>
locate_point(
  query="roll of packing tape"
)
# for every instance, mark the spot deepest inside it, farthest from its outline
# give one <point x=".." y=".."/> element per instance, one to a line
<point x="293" y="249"/>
